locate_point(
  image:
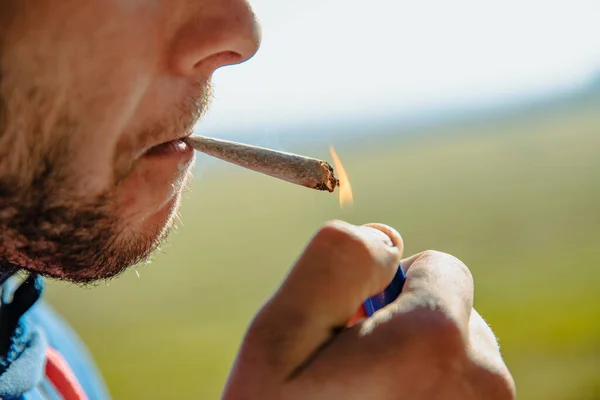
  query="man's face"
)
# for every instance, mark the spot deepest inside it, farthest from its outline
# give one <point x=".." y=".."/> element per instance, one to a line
<point x="94" y="95"/>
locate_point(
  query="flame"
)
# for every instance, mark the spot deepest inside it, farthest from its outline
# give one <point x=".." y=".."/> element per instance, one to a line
<point x="346" y="197"/>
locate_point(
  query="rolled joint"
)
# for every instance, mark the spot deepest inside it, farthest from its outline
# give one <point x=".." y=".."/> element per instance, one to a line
<point x="293" y="168"/>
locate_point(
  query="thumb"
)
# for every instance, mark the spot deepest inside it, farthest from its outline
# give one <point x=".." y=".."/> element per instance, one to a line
<point x="342" y="265"/>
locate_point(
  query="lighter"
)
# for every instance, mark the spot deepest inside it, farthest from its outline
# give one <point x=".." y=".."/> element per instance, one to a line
<point x="377" y="302"/>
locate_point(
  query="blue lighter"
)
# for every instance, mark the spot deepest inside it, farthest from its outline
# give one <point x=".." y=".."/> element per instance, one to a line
<point x="377" y="302"/>
<point x="388" y="295"/>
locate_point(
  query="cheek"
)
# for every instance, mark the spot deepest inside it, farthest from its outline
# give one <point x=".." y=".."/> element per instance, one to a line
<point x="91" y="170"/>
<point x="108" y="57"/>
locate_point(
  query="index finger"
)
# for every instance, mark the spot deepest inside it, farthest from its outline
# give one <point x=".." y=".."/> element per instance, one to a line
<point x="341" y="265"/>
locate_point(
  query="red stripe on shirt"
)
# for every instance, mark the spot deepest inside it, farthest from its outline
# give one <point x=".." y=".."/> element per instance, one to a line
<point x="62" y="376"/>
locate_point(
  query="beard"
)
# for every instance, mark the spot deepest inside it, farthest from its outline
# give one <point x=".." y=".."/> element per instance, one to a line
<point x="46" y="229"/>
<point x="76" y="241"/>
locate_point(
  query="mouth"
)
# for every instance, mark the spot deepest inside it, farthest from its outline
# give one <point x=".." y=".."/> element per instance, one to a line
<point x="177" y="152"/>
<point x="155" y="181"/>
<point x="170" y="147"/>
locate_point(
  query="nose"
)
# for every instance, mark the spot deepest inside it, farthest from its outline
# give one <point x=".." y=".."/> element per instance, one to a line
<point x="215" y="34"/>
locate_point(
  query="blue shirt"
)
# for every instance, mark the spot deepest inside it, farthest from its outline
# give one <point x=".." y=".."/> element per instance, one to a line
<point x="27" y="327"/>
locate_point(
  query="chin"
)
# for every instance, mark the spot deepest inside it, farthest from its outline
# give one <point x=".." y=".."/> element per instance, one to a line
<point x="133" y="245"/>
<point x="97" y="238"/>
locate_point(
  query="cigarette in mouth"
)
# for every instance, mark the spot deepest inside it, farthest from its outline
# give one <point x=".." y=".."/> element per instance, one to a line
<point x="293" y="168"/>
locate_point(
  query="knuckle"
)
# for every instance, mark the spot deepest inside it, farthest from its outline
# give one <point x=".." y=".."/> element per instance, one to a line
<point x="431" y="256"/>
<point x="342" y="240"/>
<point x="333" y="231"/>
<point x="347" y="258"/>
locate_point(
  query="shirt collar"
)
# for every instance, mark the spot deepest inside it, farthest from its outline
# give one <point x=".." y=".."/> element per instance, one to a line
<point x="22" y="343"/>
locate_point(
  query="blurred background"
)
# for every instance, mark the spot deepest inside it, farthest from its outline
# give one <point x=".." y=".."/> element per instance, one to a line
<point x="472" y="127"/>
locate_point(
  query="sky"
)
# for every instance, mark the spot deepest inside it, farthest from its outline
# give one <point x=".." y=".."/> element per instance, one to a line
<point x="324" y="59"/>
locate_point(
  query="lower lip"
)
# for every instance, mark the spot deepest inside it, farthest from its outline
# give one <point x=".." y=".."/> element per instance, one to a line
<point x="172" y="149"/>
<point x="175" y="156"/>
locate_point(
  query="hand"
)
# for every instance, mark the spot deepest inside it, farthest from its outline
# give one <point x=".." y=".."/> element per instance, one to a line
<point x="429" y="344"/>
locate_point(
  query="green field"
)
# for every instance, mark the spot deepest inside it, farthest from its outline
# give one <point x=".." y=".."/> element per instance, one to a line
<point x="517" y="199"/>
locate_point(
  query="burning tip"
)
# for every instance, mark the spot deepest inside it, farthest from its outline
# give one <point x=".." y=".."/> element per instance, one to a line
<point x="346" y="197"/>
